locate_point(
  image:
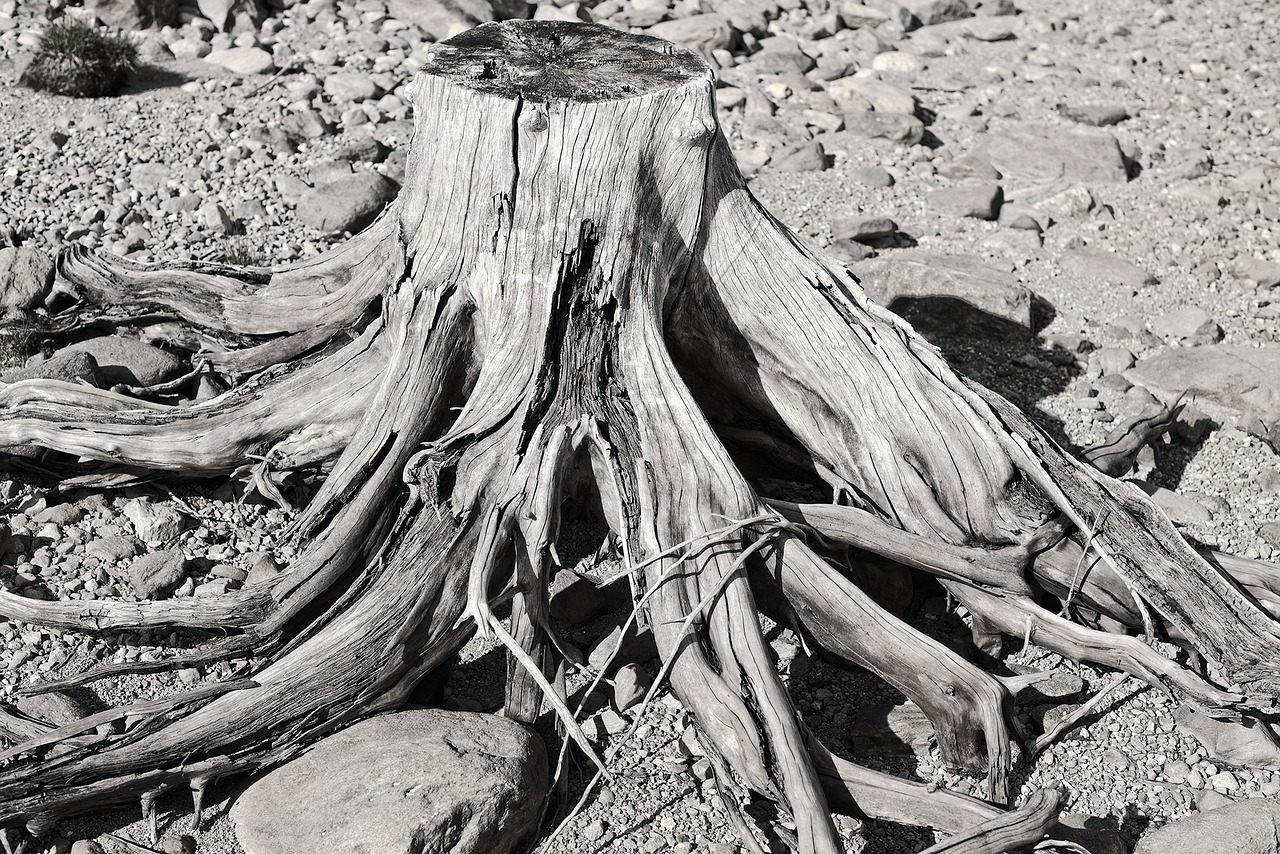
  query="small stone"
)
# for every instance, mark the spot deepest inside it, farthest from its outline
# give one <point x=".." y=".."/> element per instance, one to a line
<point x="86" y="846"/>
<point x="348" y="204"/>
<point x="351" y="86"/>
<point x="64" y="366"/>
<point x="1265" y="273"/>
<point x="183" y="844"/>
<point x="929" y="12"/>
<point x="1192" y="326"/>
<point x="630" y="685"/>
<point x="805" y="157"/>
<point x="26" y="274"/>
<point x="872" y="176"/>
<point x="53" y="707"/>
<point x="863" y="228"/>
<point x="594" y="830"/>
<point x="243" y="60"/>
<point x="129" y="361"/>
<point x="156" y="575"/>
<point x="308" y="124"/>
<point x="988" y="29"/>
<point x="1210" y="799"/>
<point x="1118" y="758"/>
<point x="980" y="201"/>
<point x="1097" y="115"/>
<point x="884" y="97"/>
<point x="895" y="127"/>
<point x="1176" y="771"/>
<point x="215" y="218"/>
<point x="154" y="523"/>
<point x="1224" y="781"/>
<point x="1114" y="360"/>
<point x="1106" y="268"/>
<point x="263" y="567"/>
<point x="112" y="549"/>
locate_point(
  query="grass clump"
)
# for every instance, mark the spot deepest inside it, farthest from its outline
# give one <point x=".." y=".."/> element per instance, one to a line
<point x="80" y="60"/>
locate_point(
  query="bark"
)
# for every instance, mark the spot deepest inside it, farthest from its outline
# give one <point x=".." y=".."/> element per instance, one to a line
<point x="576" y="286"/>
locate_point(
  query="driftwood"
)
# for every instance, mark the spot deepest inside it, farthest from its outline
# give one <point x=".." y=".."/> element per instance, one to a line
<point x="575" y="294"/>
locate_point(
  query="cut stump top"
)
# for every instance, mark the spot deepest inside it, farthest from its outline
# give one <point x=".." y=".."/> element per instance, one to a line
<point x="563" y="61"/>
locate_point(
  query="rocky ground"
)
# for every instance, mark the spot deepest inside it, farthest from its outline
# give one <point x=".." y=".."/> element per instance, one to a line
<point x="1098" y="179"/>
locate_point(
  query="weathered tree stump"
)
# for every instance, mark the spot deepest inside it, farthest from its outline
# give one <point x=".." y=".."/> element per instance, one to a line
<point x="575" y="291"/>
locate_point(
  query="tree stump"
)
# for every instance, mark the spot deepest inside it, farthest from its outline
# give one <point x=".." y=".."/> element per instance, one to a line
<point x="576" y="293"/>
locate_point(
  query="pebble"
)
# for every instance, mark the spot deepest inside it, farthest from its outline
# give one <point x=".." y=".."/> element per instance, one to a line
<point x="242" y="60"/>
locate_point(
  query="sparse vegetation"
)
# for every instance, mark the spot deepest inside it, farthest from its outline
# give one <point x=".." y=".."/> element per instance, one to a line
<point x="80" y="60"/>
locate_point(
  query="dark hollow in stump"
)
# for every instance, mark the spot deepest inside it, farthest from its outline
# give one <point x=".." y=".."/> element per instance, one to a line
<point x="576" y="292"/>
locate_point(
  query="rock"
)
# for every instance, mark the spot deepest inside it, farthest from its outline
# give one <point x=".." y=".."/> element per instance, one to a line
<point x="112" y="549"/>
<point x="53" y="707"/>
<point x="1271" y="533"/>
<point x="416" y="780"/>
<point x="216" y="219"/>
<point x="883" y="97"/>
<point x="128" y="361"/>
<point x="348" y="204"/>
<point x="1265" y="273"/>
<point x="183" y="844"/>
<point x="1117" y="758"/>
<point x="804" y="157"/>
<point x="1042" y="153"/>
<point x="26" y="275"/>
<point x="637" y="647"/>
<point x="969" y="166"/>
<point x="59" y="514"/>
<point x="351" y="86"/>
<point x="1234" y="377"/>
<point x="1095" y="835"/>
<point x="365" y="149"/>
<point x="949" y="294"/>
<point x="704" y="33"/>
<point x="263" y="568"/>
<point x="135" y="14"/>
<point x="1114" y="360"/>
<point x="156" y="575"/>
<point x="232" y="15"/>
<point x="895" y="127"/>
<point x="885" y="729"/>
<point x="576" y="599"/>
<point x="308" y="124"/>
<point x="1192" y="326"/>
<point x="855" y="15"/>
<point x="1180" y="508"/>
<point x="1105" y="268"/>
<point x="630" y="684"/>
<point x="980" y="201"/>
<point x="86" y="846"/>
<point x="1210" y="799"/>
<point x="154" y="523"/>
<point x="862" y="228"/>
<point x="1176" y="771"/>
<point x="442" y="18"/>
<point x="243" y="60"/>
<point x="64" y="366"/>
<point x="988" y="29"/>
<point x="1249" y="743"/>
<point x="1097" y="115"/>
<point x="928" y="12"/>
<point x="872" y="176"/>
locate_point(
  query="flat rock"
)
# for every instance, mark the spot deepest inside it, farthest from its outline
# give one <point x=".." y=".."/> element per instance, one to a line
<point x="1096" y="115"/>
<point x="243" y="60"/>
<point x="157" y="574"/>
<point x="128" y="361"/>
<point x="1192" y="326"/>
<point x="1237" y="378"/>
<point x="1245" y="827"/>
<point x="112" y="549"/>
<point x="26" y="275"/>
<point x="704" y="33"/>
<point x="862" y="228"/>
<point x="980" y="201"/>
<point x="418" y="780"/>
<point x="1041" y="153"/>
<point x="1182" y="509"/>
<point x="872" y="176"/>
<point x="1249" y="743"/>
<point x="347" y="204"/>
<point x="885" y="729"/>
<point x="882" y="96"/>
<point x="895" y="127"/>
<point x="952" y="294"/>
<point x="1105" y="268"/>
<point x="67" y="367"/>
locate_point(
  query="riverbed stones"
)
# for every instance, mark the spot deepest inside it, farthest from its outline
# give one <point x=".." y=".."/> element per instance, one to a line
<point x="416" y="780"/>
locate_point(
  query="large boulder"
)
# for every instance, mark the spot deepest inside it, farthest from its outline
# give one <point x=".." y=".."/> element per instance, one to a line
<point x="949" y="294"/>
<point x="1036" y="154"/>
<point x="1235" y="377"/>
<point x="348" y="204"/>
<point x="419" y="780"/>
<point x="1249" y="743"/>
<point x="1245" y="827"/>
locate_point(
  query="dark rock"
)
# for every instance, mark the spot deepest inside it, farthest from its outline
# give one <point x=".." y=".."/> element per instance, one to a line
<point x="1042" y="153"/>
<point x="68" y="367"/>
<point x="1095" y="835"/>
<point x="157" y="574"/>
<point x="576" y="599"/>
<point x="980" y="201"/>
<point x="1246" y="827"/>
<point x="128" y="361"/>
<point x="347" y="204"/>
<point x="455" y="781"/>
<point x="949" y="294"/>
